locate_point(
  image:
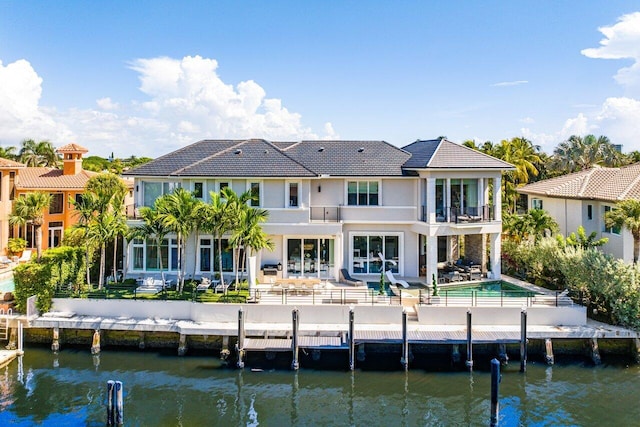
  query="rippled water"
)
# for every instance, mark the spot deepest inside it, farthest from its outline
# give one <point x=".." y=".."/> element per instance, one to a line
<point x="165" y="390"/>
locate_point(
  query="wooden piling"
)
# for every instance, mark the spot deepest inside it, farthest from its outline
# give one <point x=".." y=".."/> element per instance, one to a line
<point x="404" y="360"/>
<point x="119" y="404"/>
<point x="455" y="354"/>
<point x="595" y="351"/>
<point x="95" y="344"/>
<point x="503" y="357"/>
<point x="352" y="341"/>
<point x="548" y="352"/>
<point x="110" y="402"/>
<point x="495" y="391"/>
<point x="141" y="343"/>
<point x="55" y="345"/>
<point x="523" y="341"/>
<point x="469" y="361"/>
<point x="224" y="352"/>
<point x="182" y="346"/>
<point x="636" y="349"/>
<point x="295" y="364"/>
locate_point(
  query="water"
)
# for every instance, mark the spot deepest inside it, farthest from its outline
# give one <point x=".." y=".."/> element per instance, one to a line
<point x="7" y="285"/>
<point x="486" y="289"/>
<point x="69" y="389"/>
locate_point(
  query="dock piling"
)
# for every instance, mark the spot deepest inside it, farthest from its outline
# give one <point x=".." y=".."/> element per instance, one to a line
<point x="455" y="354"/>
<point x="95" y="344"/>
<point x="115" y="404"/>
<point x="469" y="361"/>
<point x="352" y="342"/>
<point x="224" y="352"/>
<point x="55" y="345"/>
<point x="20" y="339"/>
<point x="240" y="343"/>
<point x="595" y="351"/>
<point x="636" y="349"/>
<point x="295" y="364"/>
<point x="495" y="391"/>
<point x="548" y="352"/>
<point x="523" y="341"/>
<point x="503" y="357"/>
<point x="404" y="360"/>
<point x="182" y="347"/>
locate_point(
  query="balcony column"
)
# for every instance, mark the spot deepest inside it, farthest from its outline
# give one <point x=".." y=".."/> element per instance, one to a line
<point x="497" y="198"/>
<point x="496" y="248"/>
<point x="482" y="202"/>
<point x="430" y="216"/>
<point x="447" y="200"/>
<point x="432" y="258"/>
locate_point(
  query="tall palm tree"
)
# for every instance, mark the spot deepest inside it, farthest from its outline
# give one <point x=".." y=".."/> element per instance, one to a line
<point x="177" y="211"/>
<point x="29" y="208"/>
<point x="100" y="231"/>
<point x="626" y="214"/>
<point x="8" y="152"/>
<point x="521" y="153"/>
<point x="235" y="207"/>
<point x="152" y="227"/>
<point x="214" y="221"/>
<point x="578" y="153"/>
<point x="255" y="239"/>
<point x="85" y="211"/>
<point x="38" y="154"/>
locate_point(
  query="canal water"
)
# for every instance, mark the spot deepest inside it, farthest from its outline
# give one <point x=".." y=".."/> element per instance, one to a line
<point x="69" y="389"/>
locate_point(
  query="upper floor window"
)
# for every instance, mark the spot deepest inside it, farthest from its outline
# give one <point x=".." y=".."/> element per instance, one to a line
<point x="293" y="189"/>
<point x="153" y="190"/>
<point x="57" y="203"/>
<point x="222" y="185"/>
<point x="536" y="204"/>
<point x="613" y="230"/>
<point x="198" y="190"/>
<point x="255" y="194"/>
<point x="589" y="212"/>
<point x="362" y="193"/>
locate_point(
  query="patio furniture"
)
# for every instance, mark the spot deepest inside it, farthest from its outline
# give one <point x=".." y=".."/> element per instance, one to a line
<point x="150" y="286"/>
<point x="26" y="256"/>
<point x="395" y="281"/>
<point x="204" y="284"/>
<point x="346" y="278"/>
<point x="4" y="260"/>
<point x="221" y="287"/>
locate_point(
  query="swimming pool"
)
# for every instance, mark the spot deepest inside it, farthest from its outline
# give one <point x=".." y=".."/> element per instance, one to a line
<point x="485" y="289"/>
<point x="7" y="285"/>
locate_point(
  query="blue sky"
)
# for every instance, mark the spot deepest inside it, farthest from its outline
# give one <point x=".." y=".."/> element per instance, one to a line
<point x="148" y="77"/>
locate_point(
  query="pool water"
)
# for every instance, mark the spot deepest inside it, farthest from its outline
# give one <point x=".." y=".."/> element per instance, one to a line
<point x="486" y="289"/>
<point x="7" y="285"/>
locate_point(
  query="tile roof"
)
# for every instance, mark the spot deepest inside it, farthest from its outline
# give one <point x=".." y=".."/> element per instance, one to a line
<point x="597" y="183"/>
<point x="444" y="154"/>
<point x="49" y="178"/>
<point x="6" y="163"/>
<point x="72" y="148"/>
<point x="260" y="158"/>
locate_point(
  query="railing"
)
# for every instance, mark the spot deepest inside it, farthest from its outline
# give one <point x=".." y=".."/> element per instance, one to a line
<point x="509" y="298"/>
<point x="343" y="296"/>
<point x="132" y="212"/>
<point x="325" y="213"/>
<point x="461" y="215"/>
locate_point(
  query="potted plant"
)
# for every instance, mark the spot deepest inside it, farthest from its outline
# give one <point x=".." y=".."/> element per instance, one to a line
<point x="16" y="246"/>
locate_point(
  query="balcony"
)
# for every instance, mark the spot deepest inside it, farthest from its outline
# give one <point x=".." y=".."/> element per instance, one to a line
<point x="461" y="215"/>
<point x="324" y="213"/>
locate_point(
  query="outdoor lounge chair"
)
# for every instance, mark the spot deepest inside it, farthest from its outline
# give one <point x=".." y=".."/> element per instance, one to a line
<point x="221" y="287"/>
<point x="26" y="256"/>
<point x="395" y="281"/>
<point x="346" y="278"/>
<point x="204" y="284"/>
<point x="4" y="260"/>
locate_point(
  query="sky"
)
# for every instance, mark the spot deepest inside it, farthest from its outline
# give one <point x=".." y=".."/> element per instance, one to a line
<point x="145" y="78"/>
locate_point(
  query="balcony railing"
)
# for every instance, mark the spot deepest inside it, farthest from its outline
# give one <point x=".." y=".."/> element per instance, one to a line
<point x="325" y="213"/>
<point x="132" y="212"/>
<point x="461" y="215"/>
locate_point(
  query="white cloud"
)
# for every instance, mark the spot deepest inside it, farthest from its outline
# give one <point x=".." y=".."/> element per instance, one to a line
<point x="512" y="83"/>
<point x="186" y="101"/>
<point x="107" y="104"/>
<point x="622" y="41"/>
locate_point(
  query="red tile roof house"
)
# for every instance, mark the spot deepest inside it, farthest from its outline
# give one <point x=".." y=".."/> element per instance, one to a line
<point x="337" y="205"/>
<point x="582" y="198"/>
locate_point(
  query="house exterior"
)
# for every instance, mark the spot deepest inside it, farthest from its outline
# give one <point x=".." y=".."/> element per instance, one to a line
<point x="63" y="184"/>
<point x="582" y="199"/>
<point x="337" y="204"/>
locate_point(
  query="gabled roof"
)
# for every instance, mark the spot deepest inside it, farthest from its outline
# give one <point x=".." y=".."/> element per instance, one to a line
<point x="6" y="163"/>
<point x="51" y="179"/>
<point x="597" y="183"/>
<point x="444" y="154"/>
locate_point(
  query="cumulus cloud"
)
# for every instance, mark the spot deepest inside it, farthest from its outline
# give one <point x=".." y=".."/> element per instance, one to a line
<point x="622" y="41"/>
<point x="186" y="101"/>
<point x="512" y="83"/>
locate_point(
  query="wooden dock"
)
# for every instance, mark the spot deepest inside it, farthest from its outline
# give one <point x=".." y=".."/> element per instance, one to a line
<point x="7" y="356"/>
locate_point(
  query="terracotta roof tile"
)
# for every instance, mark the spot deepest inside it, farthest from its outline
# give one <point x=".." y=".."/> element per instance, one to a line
<point x="73" y="147"/>
<point x="6" y="163"/>
<point x="598" y="183"/>
<point x="49" y="178"/>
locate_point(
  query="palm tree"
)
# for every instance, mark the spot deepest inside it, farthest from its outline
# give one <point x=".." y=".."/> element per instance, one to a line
<point x="235" y="208"/>
<point x="581" y="240"/>
<point x="626" y="214"/>
<point x="578" y="153"/>
<point x="214" y="221"/>
<point x="85" y="210"/>
<point x="152" y="227"/>
<point x="37" y="154"/>
<point x="8" y="152"/>
<point x="249" y="234"/>
<point x="177" y="211"/>
<point x="525" y="156"/>
<point x="100" y="231"/>
<point x="29" y="208"/>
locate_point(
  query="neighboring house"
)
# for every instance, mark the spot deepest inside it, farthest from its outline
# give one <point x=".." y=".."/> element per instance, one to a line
<point x="63" y="184"/>
<point x="582" y="198"/>
<point x="337" y="204"/>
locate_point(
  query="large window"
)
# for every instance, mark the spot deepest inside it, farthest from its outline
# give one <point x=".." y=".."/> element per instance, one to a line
<point x="536" y="204"/>
<point x="255" y="194"/>
<point x="153" y="190"/>
<point x="55" y="233"/>
<point x="145" y="255"/>
<point x="310" y="257"/>
<point x="208" y="256"/>
<point x="612" y="230"/>
<point x="198" y="190"/>
<point x="367" y="250"/>
<point x="57" y="203"/>
<point x="362" y="193"/>
<point x="293" y="188"/>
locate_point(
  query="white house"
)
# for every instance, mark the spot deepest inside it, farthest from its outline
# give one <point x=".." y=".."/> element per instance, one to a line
<point x="338" y="204"/>
<point x="582" y="199"/>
